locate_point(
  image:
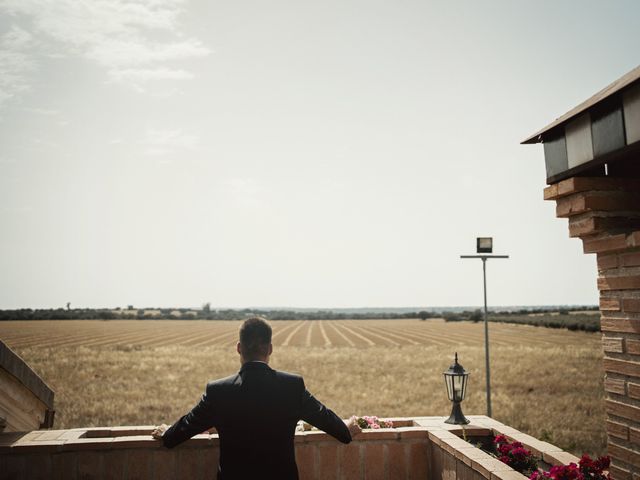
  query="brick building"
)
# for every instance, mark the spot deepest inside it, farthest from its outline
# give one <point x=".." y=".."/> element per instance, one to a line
<point x="592" y="156"/>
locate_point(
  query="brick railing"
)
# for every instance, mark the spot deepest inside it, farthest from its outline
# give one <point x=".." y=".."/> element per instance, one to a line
<point x="605" y="213"/>
<point x="428" y="449"/>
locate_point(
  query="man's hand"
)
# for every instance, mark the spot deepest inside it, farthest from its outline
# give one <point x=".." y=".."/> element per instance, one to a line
<point x="158" y="432"/>
<point x="352" y="425"/>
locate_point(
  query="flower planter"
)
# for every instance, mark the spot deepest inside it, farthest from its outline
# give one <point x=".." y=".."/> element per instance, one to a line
<point x="453" y="457"/>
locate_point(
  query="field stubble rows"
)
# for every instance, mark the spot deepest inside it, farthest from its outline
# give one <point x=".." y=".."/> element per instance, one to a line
<point x="303" y="333"/>
<point x="145" y="372"/>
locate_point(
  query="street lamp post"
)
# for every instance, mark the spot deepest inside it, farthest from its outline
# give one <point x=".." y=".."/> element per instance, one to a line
<point x="484" y="246"/>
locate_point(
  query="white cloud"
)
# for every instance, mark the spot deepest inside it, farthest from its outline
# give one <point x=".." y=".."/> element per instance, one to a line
<point x="162" y="142"/>
<point x="246" y="192"/>
<point x="122" y="53"/>
<point x="131" y="39"/>
<point x="15" y="63"/>
<point x="43" y="111"/>
<point x="139" y="76"/>
<point x="243" y="186"/>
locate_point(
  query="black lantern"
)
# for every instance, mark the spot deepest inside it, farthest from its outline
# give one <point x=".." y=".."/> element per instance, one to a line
<point x="456" y="381"/>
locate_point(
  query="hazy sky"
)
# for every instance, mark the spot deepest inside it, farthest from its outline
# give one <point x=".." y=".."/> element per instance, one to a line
<point x="328" y="153"/>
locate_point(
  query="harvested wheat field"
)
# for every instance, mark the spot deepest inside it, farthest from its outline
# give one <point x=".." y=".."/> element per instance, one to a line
<point x="548" y="383"/>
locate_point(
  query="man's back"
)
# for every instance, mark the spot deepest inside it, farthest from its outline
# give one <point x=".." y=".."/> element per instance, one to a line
<point x="255" y="413"/>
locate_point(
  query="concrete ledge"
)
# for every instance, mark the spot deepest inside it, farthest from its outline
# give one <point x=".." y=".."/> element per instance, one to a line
<point x="428" y="449"/>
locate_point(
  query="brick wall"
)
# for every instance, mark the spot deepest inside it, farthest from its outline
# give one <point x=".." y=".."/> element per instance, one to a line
<point x="605" y="213"/>
<point x="430" y="449"/>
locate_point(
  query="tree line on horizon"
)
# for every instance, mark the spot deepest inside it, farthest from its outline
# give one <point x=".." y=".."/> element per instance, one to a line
<point x="547" y="317"/>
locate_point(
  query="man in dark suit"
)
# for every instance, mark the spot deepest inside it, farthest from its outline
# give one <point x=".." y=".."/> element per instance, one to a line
<point x="255" y="413"/>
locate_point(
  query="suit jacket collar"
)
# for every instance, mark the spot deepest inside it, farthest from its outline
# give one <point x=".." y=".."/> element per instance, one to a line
<point x="255" y="366"/>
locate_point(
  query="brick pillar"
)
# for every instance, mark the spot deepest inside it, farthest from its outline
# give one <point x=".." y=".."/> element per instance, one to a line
<point x="605" y="213"/>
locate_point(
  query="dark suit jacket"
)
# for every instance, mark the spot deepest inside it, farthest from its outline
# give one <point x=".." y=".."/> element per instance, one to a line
<point x="255" y="413"/>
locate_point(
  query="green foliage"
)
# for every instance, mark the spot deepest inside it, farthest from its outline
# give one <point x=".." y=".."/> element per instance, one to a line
<point x="551" y="318"/>
<point x="453" y="317"/>
<point x="577" y="321"/>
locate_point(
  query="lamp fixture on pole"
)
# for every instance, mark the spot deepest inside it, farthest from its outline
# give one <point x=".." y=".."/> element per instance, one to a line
<point x="484" y="246"/>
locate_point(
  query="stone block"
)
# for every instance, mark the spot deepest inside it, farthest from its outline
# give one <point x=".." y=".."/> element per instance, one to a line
<point x="210" y="460"/>
<point x="64" y="466"/>
<point x="351" y="461"/>
<point x="12" y="467"/>
<point x="605" y="245"/>
<point x="412" y="432"/>
<point x="164" y="464"/>
<point x="417" y="463"/>
<point x="622" y="367"/>
<point x="114" y="464"/>
<point x="374" y="461"/>
<point x="606" y="262"/>
<point x="396" y="456"/>
<point x="631" y="259"/>
<point x="464" y="471"/>
<point x="38" y="467"/>
<point x="613" y="344"/>
<point x="619" y="325"/>
<point x="623" y="454"/>
<point x="90" y="465"/>
<point x="619" y="473"/>
<point x="631" y="305"/>
<point x="488" y="465"/>
<point x="190" y="463"/>
<point x="615" y="385"/>
<point x="328" y="461"/>
<point x="139" y="466"/>
<point x="632" y="346"/>
<point x="559" y="458"/>
<point x="634" y="390"/>
<point x="610" y="303"/>
<point x="449" y="466"/>
<point x="618" y="430"/>
<point x="306" y="460"/>
<point x="623" y="410"/>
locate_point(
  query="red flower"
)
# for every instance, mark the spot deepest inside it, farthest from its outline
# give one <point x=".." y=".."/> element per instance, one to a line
<point x="504" y="449"/>
<point x="587" y="469"/>
<point x="519" y="452"/>
<point x="566" y="472"/>
<point x="602" y="463"/>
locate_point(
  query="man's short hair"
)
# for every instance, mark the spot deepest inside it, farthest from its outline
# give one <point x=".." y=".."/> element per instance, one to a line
<point x="255" y="337"/>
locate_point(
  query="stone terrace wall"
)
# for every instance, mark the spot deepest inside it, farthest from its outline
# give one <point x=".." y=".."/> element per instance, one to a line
<point x="430" y="449"/>
<point x="605" y="213"/>
<point x="26" y="401"/>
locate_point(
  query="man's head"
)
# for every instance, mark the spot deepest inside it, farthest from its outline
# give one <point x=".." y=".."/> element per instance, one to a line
<point x="255" y="340"/>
